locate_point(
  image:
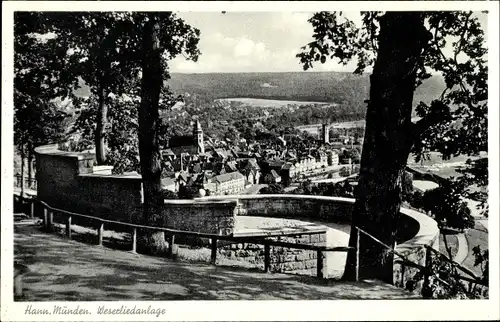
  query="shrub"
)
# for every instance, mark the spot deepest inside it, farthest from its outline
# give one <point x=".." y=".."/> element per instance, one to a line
<point x="447" y="207"/>
<point x="167" y="194"/>
<point x="272" y="189"/>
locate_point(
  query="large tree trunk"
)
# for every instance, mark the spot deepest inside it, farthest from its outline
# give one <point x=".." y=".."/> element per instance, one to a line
<point x="100" y="144"/>
<point x="149" y="152"/>
<point x="22" y="170"/>
<point x="30" y="166"/>
<point x="387" y="144"/>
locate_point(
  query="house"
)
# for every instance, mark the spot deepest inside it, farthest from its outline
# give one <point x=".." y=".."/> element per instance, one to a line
<point x="230" y="166"/>
<point x="220" y="155"/>
<point x="332" y="157"/>
<point x="182" y="179"/>
<point x="203" y="180"/>
<point x="169" y="184"/>
<point x="272" y="177"/>
<point x="229" y="183"/>
<point x="337" y="144"/>
<point x="287" y="172"/>
<point x="197" y="167"/>
<point x="281" y="141"/>
<point x="218" y="168"/>
<point x="192" y="144"/>
<point x="275" y="165"/>
<point x="300" y="165"/>
<point x="245" y="154"/>
<point x="310" y="162"/>
<point x="250" y="169"/>
<point x="168" y="154"/>
<point x="321" y="158"/>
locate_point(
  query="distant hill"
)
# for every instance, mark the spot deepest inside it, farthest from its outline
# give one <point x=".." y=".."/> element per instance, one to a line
<point x="342" y="88"/>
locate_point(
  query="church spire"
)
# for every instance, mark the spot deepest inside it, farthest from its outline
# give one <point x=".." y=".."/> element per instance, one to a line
<point x="198" y="135"/>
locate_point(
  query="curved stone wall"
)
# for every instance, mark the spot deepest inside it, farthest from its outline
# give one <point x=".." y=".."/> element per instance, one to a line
<point x="414" y="225"/>
<point x="417" y="230"/>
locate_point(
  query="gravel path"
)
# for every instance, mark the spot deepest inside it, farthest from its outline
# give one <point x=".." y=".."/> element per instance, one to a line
<point x="463" y="249"/>
<point x="62" y="270"/>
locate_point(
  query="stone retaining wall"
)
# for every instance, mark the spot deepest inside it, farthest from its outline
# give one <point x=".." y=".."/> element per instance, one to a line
<point x="283" y="259"/>
<point x="416" y="230"/>
<point x="67" y="180"/>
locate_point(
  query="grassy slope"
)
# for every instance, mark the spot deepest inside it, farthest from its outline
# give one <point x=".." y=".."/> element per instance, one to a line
<point x="452" y="244"/>
<point x="476" y="236"/>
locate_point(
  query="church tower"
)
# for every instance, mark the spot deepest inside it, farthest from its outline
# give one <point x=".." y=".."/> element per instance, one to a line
<point x="198" y="136"/>
<point x="325" y="132"/>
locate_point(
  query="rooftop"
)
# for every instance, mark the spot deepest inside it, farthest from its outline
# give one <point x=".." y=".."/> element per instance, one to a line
<point x="228" y="177"/>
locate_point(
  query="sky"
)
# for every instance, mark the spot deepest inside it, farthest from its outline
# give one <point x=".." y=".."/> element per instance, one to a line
<point x="249" y="42"/>
<point x="254" y="42"/>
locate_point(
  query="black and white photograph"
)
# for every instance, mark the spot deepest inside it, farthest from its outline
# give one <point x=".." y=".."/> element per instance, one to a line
<point x="156" y="154"/>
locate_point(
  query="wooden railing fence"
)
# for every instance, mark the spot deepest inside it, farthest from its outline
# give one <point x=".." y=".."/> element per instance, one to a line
<point x="427" y="270"/>
<point x="171" y="234"/>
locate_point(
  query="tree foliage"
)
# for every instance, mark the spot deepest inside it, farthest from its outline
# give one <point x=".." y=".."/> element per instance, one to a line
<point x="272" y="189"/>
<point x="447" y="207"/>
<point x="455" y="122"/>
<point x="402" y="57"/>
<point x="39" y="79"/>
<point x="121" y="137"/>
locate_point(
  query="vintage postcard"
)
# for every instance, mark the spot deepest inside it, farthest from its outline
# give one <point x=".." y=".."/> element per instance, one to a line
<point x="250" y="161"/>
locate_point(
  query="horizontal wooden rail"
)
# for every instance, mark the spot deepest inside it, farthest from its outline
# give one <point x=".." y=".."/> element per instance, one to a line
<point x="470" y="280"/>
<point x="392" y="250"/>
<point x="171" y="231"/>
<point x="451" y="261"/>
<point x="404" y="260"/>
<point x="49" y="211"/>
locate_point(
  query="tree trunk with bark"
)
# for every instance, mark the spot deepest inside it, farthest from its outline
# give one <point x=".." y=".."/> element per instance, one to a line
<point x="30" y="166"/>
<point x="149" y="152"/>
<point x="22" y="169"/>
<point x="100" y="144"/>
<point x="387" y="143"/>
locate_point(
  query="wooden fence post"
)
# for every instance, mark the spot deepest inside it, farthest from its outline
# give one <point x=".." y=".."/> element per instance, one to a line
<point x="68" y="227"/>
<point x="358" y="236"/>
<point x="319" y="264"/>
<point x="134" y="240"/>
<point x="45" y="219"/>
<point x="428" y="266"/>
<point x="403" y="268"/>
<point x="50" y="221"/>
<point x="32" y="208"/>
<point x="267" y="258"/>
<point x="171" y="244"/>
<point x="100" y="233"/>
<point x="213" y="255"/>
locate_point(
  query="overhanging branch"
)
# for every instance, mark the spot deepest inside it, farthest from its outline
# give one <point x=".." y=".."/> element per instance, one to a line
<point x="439" y="112"/>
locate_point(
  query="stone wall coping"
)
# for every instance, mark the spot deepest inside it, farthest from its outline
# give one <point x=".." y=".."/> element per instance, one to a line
<point x="198" y="203"/>
<point x="426" y="235"/>
<point x="278" y="196"/>
<point x="285" y="231"/>
<point x="103" y="167"/>
<point x="53" y="150"/>
<point x="110" y="176"/>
